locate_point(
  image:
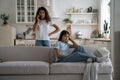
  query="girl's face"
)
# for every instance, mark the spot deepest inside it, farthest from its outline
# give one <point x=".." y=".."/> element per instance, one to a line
<point x="65" y="38"/>
<point x="42" y="14"/>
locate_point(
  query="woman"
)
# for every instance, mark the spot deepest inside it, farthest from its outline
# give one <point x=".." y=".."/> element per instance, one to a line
<point x="42" y="26"/>
<point x="62" y="50"/>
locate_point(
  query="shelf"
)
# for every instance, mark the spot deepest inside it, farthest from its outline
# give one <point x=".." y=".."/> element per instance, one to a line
<point x="92" y="24"/>
<point x="102" y="39"/>
<point x="81" y="13"/>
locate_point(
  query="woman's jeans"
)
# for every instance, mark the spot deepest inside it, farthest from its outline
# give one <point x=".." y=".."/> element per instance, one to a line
<point x="45" y="43"/>
<point x="79" y="54"/>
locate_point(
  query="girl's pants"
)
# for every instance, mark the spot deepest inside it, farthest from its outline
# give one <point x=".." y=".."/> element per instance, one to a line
<point x="79" y="54"/>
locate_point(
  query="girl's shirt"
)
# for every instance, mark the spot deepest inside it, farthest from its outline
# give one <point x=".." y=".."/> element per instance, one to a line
<point x="43" y="30"/>
<point x="63" y="48"/>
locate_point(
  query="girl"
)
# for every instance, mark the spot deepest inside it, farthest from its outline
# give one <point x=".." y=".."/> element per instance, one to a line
<point x="41" y="27"/>
<point x="62" y="47"/>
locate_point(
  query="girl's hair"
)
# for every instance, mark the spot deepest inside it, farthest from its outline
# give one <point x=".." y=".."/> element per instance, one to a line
<point x="47" y="17"/>
<point x="64" y="32"/>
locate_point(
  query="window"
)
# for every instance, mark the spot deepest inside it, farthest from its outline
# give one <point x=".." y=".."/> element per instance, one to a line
<point x="104" y="13"/>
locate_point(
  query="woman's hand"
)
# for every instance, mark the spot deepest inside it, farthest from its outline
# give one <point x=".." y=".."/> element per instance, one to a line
<point x="50" y="34"/>
<point x="55" y="31"/>
<point x="37" y="18"/>
<point x="35" y="26"/>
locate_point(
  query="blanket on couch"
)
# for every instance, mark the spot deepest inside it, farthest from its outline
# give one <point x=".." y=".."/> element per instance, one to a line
<point x="91" y="71"/>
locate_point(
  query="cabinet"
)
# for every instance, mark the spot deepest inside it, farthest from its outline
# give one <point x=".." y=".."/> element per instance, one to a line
<point x="26" y="9"/>
<point x="31" y="42"/>
<point x="24" y="42"/>
<point x="103" y="43"/>
<point x="7" y="35"/>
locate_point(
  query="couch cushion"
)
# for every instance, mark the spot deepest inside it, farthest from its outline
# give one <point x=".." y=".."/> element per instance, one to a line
<point x="67" y="67"/>
<point x="78" y="67"/>
<point x="24" y="67"/>
<point x="91" y="49"/>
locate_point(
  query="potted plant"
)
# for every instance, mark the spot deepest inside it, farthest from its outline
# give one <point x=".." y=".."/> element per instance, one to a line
<point x="67" y="20"/>
<point x="106" y="32"/>
<point x="4" y="17"/>
<point x="105" y="26"/>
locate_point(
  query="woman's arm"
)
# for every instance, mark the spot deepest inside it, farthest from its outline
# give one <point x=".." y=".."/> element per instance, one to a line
<point x="56" y="29"/>
<point x="35" y="26"/>
<point x="58" y="53"/>
<point x="74" y="44"/>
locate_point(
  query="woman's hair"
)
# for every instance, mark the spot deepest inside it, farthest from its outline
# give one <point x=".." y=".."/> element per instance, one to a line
<point x="64" y="32"/>
<point x="47" y="17"/>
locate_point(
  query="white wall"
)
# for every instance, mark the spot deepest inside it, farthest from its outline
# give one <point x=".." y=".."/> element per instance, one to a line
<point x="9" y="7"/>
<point x="61" y="6"/>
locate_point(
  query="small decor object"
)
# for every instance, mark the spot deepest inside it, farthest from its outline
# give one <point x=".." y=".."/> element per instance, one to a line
<point x="95" y="10"/>
<point x="79" y="35"/>
<point x="67" y="20"/>
<point x="89" y="9"/>
<point x="4" y="17"/>
<point x="95" y="33"/>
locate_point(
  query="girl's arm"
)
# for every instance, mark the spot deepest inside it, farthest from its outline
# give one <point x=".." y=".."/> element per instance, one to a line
<point x="56" y="29"/>
<point x="74" y="44"/>
<point x="58" y="53"/>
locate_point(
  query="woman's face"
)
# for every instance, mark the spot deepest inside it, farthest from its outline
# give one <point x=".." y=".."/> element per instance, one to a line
<point x="65" y="38"/>
<point x="41" y="14"/>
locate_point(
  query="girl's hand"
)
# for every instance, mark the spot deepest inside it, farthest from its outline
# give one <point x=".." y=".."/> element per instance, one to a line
<point x="60" y="56"/>
<point x="70" y="38"/>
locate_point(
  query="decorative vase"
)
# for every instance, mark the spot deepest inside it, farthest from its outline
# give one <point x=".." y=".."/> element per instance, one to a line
<point x="106" y="35"/>
<point x="5" y="22"/>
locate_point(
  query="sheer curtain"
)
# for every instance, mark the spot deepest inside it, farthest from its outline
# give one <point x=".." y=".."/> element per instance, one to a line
<point x="104" y="14"/>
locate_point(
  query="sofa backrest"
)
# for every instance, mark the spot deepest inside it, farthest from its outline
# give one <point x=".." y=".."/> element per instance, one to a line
<point x="97" y="51"/>
<point x="52" y="55"/>
<point x="22" y="53"/>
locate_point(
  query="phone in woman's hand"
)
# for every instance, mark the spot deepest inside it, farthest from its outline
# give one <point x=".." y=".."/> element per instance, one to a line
<point x="37" y="18"/>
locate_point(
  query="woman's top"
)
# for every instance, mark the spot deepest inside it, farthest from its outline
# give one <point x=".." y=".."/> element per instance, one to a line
<point x="43" y="30"/>
<point x="63" y="48"/>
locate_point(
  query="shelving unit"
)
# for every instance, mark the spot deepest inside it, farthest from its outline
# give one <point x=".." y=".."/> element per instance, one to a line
<point x="90" y="21"/>
<point x="90" y="24"/>
<point x="82" y="13"/>
<point x="85" y="22"/>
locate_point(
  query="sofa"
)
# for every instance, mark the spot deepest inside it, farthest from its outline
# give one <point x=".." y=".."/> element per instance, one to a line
<point x="38" y="63"/>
